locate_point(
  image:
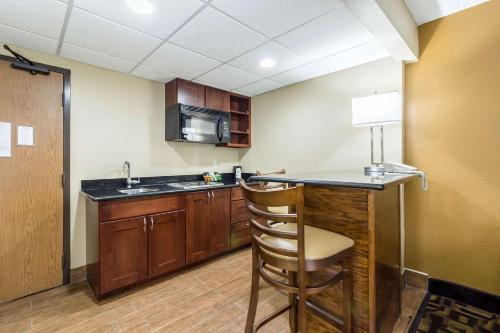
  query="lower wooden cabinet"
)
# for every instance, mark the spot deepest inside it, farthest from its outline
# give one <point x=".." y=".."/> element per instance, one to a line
<point x="123" y="247"/>
<point x="166" y="242"/>
<point x="240" y="234"/>
<point x="207" y="224"/>
<point x="134" y="240"/>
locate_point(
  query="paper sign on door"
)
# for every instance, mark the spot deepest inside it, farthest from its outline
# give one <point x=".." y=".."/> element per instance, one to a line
<point x="5" y="138"/>
<point x="24" y="136"/>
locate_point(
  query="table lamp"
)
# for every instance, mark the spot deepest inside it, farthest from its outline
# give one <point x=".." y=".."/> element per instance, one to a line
<point x="376" y="111"/>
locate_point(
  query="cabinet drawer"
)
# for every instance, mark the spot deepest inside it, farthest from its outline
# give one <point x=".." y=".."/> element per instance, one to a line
<point x="239" y="211"/>
<point x="236" y="192"/>
<point x="240" y="234"/>
<point x="119" y="209"/>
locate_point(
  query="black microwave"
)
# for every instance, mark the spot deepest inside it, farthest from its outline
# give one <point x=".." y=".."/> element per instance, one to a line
<point x="194" y="124"/>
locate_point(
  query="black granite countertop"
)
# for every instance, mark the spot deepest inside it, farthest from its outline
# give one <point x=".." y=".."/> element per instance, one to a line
<point x="107" y="189"/>
<point x="354" y="179"/>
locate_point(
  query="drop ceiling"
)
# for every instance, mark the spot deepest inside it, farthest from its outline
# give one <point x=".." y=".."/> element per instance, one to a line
<point x="218" y="42"/>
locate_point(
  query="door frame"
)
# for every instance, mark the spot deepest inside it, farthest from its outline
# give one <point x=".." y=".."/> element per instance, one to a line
<point x="66" y="161"/>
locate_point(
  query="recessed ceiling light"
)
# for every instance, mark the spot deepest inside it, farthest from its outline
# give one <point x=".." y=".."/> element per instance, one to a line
<point x="141" y="6"/>
<point x="267" y="62"/>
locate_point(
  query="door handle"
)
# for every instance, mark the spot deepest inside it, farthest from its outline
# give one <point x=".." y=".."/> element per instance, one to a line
<point x="152" y="220"/>
<point x="145" y="224"/>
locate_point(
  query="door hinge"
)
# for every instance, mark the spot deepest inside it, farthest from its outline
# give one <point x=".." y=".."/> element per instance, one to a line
<point x="63" y="180"/>
<point x="63" y="261"/>
<point x="63" y="100"/>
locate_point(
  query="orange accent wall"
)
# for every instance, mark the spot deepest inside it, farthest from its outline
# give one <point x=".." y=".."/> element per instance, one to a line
<point x="452" y="131"/>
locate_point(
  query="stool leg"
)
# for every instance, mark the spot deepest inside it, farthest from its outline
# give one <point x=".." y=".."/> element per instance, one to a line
<point x="254" y="292"/>
<point x="347" y="294"/>
<point x="292" y="280"/>
<point x="302" y="282"/>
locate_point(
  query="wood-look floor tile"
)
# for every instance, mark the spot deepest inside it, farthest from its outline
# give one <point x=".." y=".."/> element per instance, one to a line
<point x="212" y="298"/>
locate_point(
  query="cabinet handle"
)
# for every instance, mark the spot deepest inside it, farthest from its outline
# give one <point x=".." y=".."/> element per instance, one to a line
<point x="208" y="195"/>
<point x="212" y="195"/>
<point x="145" y="224"/>
<point x="151" y="219"/>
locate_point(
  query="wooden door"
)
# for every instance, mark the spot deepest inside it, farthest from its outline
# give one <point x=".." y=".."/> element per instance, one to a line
<point x="197" y="226"/>
<point x="217" y="99"/>
<point x="220" y="220"/>
<point x="31" y="192"/>
<point x="190" y="93"/>
<point x="123" y="251"/>
<point x="166" y="242"/>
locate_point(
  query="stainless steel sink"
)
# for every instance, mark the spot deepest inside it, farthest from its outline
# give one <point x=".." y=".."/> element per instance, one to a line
<point x="137" y="190"/>
<point x="193" y="185"/>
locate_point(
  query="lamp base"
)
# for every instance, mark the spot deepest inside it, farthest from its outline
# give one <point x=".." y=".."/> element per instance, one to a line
<point x="374" y="170"/>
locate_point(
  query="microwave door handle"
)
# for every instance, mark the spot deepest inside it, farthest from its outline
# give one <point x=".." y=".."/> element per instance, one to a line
<point x="219" y="129"/>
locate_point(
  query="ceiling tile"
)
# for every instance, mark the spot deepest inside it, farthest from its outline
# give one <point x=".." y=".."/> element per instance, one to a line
<point x="28" y="40"/>
<point x="301" y="73"/>
<point x="429" y="10"/>
<point x="284" y="58"/>
<point x="97" y="34"/>
<point x="42" y="17"/>
<point x="327" y="35"/>
<point x="166" y="17"/>
<point x="272" y="18"/>
<point x="260" y="87"/>
<point x="353" y="57"/>
<point x="95" y="58"/>
<point x="179" y="61"/>
<point x="216" y="35"/>
<point x="228" y="77"/>
<point x="153" y="74"/>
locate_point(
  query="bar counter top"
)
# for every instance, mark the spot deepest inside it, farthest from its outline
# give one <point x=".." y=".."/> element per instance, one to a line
<point x="350" y="179"/>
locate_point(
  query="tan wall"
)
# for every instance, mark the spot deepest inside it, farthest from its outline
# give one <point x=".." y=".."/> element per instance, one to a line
<point x="117" y="117"/>
<point x="308" y="126"/>
<point x="453" y="133"/>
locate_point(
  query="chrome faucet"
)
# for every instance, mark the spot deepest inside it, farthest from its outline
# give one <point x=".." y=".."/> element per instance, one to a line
<point x="130" y="182"/>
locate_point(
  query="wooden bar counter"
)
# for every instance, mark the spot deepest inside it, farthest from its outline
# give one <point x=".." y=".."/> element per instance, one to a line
<point x="366" y="209"/>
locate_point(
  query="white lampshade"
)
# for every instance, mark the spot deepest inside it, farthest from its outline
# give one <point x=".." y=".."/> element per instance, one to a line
<point x="379" y="109"/>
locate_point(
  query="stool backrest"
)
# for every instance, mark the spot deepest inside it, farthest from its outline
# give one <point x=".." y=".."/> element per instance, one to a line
<point x="257" y="202"/>
<point x="271" y="185"/>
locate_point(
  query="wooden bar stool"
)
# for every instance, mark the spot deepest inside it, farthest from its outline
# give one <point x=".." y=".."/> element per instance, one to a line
<point x="272" y="186"/>
<point x="297" y="250"/>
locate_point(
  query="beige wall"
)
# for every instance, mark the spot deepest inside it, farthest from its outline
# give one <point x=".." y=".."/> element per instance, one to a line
<point x="117" y="117"/>
<point x="307" y="126"/>
<point x="453" y="133"/>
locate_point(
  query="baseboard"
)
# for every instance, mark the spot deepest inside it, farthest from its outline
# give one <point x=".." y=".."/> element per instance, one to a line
<point x="78" y="274"/>
<point x="477" y="298"/>
<point x="415" y="279"/>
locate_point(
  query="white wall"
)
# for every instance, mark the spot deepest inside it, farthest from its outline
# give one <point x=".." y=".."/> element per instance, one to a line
<point x="117" y="117"/>
<point x="307" y="126"/>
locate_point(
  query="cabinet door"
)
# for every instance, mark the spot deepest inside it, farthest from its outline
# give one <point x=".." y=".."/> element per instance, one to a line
<point x="190" y="93"/>
<point x="166" y="242"/>
<point x="197" y="226"/>
<point x="220" y="220"/>
<point x="123" y="251"/>
<point x="217" y="99"/>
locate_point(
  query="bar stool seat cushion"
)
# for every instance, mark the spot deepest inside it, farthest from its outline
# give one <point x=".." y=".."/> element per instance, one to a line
<point x="278" y="210"/>
<point x="319" y="243"/>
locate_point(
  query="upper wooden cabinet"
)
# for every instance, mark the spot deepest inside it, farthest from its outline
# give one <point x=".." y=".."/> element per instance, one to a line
<point x="194" y="94"/>
<point x="184" y="92"/>
<point x="217" y="99"/>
